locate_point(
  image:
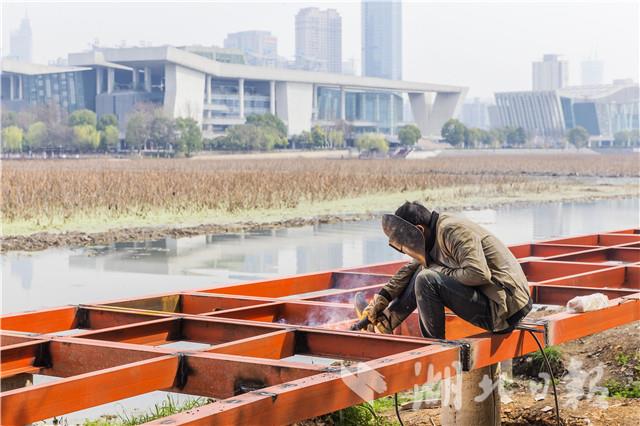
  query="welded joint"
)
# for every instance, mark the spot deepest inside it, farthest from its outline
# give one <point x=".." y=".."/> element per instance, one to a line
<point x="273" y="395"/>
<point x="43" y="356"/>
<point x="82" y="318"/>
<point x="183" y="372"/>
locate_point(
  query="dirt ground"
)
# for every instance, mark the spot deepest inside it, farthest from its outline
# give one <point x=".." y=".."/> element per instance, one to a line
<point x="45" y="240"/>
<point x="608" y="350"/>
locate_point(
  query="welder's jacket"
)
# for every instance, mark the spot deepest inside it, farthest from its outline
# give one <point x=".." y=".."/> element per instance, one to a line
<point x="473" y="256"/>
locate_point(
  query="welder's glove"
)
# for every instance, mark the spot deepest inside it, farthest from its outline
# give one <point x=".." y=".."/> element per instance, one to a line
<point x="375" y="308"/>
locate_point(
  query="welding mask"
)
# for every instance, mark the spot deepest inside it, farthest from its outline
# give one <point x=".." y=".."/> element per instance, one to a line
<point x="405" y="237"/>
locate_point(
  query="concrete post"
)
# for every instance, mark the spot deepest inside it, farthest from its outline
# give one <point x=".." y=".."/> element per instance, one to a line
<point x="471" y="401"/>
<point x="314" y="103"/>
<point x="241" y="96"/>
<point x="392" y="115"/>
<point x="343" y="104"/>
<point x="11" y="86"/>
<point x="207" y="89"/>
<point x="135" y="79"/>
<point x="20" y="87"/>
<point x="272" y="97"/>
<point x="111" y="79"/>
<point x="98" y="81"/>
<point x="147" y="79"/>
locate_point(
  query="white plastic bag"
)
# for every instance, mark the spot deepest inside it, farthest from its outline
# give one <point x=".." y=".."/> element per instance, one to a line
<point x="592" y="302"/>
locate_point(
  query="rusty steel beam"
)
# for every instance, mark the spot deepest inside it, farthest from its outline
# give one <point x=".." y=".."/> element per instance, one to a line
<point x="253" y="328"/>
<point x="323" y="393"/>
<point x="33" y="403"/>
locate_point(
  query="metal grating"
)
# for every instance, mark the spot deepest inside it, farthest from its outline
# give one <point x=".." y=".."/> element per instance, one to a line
<point x="248" y="345"/>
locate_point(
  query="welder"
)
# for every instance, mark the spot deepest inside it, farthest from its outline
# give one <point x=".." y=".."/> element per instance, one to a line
<point x="456" y="264"/>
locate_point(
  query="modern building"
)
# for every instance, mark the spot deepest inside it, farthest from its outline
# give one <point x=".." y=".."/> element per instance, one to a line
<point x="592" y="72"/>
<point x="219" y="94"/>
<point x="21" y="43"/>
<point x="550" y="74"/>
<point x="25" y="85"/>
<point x="319" y="40"/>
<point x="259" y="47"/>
<point x="382" y="39"/>
<point x="218" y="54"/>
<point x="602" y="110"/>
<point x="475" y="114"/>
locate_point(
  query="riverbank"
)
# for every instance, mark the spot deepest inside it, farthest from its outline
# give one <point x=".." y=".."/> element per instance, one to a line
<point x="102" y="228"/>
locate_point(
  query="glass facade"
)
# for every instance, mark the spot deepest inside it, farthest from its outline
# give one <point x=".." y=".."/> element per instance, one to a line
<point x="367" y="111"/>
<point x="63" y="89"/>
<point x="225" y="98"/>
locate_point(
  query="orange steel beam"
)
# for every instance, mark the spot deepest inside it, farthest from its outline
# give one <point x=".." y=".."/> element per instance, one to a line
<point x="324" y="393"/>
<point x="30" y="404"/>
<point x="253" y="330"/>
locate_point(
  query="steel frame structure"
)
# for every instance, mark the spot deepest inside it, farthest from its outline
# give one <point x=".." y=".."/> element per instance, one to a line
<point x="112" y="350"/>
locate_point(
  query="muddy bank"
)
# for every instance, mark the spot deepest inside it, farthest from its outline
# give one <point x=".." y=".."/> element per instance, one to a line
<point x="44" y="240"/>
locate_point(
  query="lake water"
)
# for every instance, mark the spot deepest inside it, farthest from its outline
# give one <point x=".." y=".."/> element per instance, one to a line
<point x="70" y="276"/>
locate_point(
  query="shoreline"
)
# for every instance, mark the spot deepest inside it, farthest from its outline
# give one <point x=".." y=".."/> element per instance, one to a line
<point x="346" y="210"/>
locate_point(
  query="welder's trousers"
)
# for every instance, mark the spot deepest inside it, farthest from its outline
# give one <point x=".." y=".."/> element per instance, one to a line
<point x="431" y="292"/>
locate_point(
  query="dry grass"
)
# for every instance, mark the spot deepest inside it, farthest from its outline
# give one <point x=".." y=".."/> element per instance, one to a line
<point x="40" y="190"/>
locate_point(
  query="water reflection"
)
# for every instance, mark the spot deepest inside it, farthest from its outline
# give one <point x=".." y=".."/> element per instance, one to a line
<point x="59" y="276"/>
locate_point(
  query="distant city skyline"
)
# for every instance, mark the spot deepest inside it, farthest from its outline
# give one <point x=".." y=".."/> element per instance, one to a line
<point x="319" y="40"/>
<point x="21" y="41"/>
<point x="486" y="46"/>
<point x="382" y="38"/>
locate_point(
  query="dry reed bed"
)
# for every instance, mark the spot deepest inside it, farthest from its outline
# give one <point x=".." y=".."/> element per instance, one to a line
<point x="37" y="190"/>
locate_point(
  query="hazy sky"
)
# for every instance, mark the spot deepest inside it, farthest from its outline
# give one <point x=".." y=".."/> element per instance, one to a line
<point x="488" y="46"/>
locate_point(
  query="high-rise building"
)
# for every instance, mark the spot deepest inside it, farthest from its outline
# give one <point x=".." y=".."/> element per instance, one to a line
<point x="551" y="73"/>
<point x="20" y="42"/>
<point x="260" y="47"/>
<point x="592" y="72"/>
<point x="475" y="114"/>
<point x="382" y="39"/>
<point x="319" y="40"/>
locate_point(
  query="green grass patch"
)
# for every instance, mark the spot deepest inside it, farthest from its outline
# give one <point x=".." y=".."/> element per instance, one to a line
<point x="630" y="390"/>
<point x="165" y="408"/>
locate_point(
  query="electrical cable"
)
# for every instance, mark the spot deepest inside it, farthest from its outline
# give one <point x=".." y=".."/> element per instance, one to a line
<point x="395" y="400"/>
<point x="532" y="331"/>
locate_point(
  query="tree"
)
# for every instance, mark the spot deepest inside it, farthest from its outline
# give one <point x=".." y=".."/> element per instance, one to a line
<point x="9" y="118"/>
<point x="36" y="136"/>
<point x="83" y="117"/>
<point x="303" y="140"/>
<point x="86" y="138"/>
<point x="453" y="132"/>
<point x="189" y="135"/>
<point x="515" y="137"/>
<point x="471" y="137"/>
<point x="138" y="130"/>
<point x="373" y="142"/>
<point x="107" y="120"/>
<point x="109" y="138"/>
<point x="335" y="138"/>
<point x="409" y="134"/>
<point x="12" y="138"/>
<point x="578" y="136"/>
<point x="268" y="120"/>
<point x="162" y="131"/>
<point x="318" y="137"/>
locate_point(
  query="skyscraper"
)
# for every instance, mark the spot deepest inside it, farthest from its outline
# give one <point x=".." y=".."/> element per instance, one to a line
<point x="260" y="47"/>
<point x="551" y="73"/>
<point x="20" y="43"/>
<point x="319" y="40"/>
<point x="592" y="72"/>
<point x="382" y="39"/>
